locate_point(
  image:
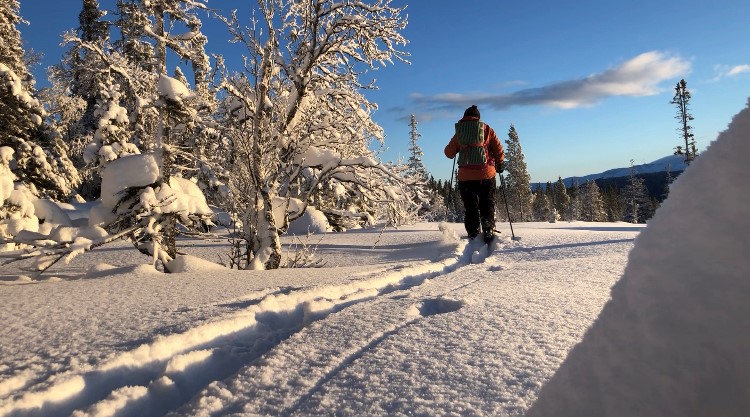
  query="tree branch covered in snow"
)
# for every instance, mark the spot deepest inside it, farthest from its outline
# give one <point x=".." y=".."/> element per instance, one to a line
<point x="297" y="118"/>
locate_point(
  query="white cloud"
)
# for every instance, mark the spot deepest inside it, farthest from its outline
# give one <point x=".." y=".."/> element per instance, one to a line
<point x="637" y="77"/>
<point x="724" y="71"/>
<point x="727" y="71"/>
<point x="738" y="69"/>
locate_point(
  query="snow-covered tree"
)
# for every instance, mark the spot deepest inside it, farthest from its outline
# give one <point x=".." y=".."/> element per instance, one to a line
<point x="592" y="204"/>
<point x="300" y="119"/>
<point x="635" y="197"/>
<point x="11" y="46"/>
<point x="576" y="201"/>
<point x="541" y="205"/>
<point x="416" y="167"/>
<point x="416" y="175"/>
<point x="561" y="199"/>
<point x="518" y="180"/>
<point x="16" y="208"/>
<point x="41" y="160"/>
<point x="84" y="74"/>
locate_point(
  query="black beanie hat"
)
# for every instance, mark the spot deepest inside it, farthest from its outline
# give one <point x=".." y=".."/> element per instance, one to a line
<point x="472" y="111"/>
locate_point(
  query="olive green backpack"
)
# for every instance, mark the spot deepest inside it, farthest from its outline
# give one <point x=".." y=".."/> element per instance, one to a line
<point x="472" y="148"/>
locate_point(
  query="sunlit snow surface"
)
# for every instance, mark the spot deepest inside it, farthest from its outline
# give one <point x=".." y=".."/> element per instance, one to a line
<point x="675" y="339"/>
<point x="409" y="321"/>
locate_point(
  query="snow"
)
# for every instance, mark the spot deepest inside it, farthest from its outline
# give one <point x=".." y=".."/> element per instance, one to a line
<point x="191" y="198"/>
<point x="399" y="321"/>
<point x="48" y="211"/>
<point x="588" y="318"/>
<point x="674" y="339"/>
<point x="173" y="89"/>
<point x="313" y="221"/>
<point x="126" y="172"/>
<point x="6" y="175"/>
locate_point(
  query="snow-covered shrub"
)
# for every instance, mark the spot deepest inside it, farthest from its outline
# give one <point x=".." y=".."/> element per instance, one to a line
<point x="554" y="216"/>
<point x="16" y="204"/>
<point x="141" y="203"/>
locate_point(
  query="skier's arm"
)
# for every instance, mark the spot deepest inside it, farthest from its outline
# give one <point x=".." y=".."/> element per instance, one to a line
<point x="496" y="149"/>
<point x="452" y="148"/>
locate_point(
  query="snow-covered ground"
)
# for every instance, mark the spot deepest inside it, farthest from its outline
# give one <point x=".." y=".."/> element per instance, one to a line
<point x="398" y="322"/>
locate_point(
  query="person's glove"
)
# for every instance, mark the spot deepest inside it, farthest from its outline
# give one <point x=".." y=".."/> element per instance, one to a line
<point x="499" y="167"/>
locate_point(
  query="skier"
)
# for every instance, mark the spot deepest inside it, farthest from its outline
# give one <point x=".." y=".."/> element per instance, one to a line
<point x="480" y="158"/>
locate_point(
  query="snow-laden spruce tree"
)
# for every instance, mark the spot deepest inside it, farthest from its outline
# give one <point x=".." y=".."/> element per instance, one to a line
<point x="86" y="73"/>
<point x="541" y="205"/>
<point x="415" y="165"/>
<point x="517" y="179"/>
<point x="560" y="197"/>
<point x="576" y="200"/>
<point x="418" y="206"/>
<point x="41" y="160"/>
<point x="299" y="119"/>
<point x="16" y="209"/>
<point x="11" y="46"/>
<point x="592" y="204"/>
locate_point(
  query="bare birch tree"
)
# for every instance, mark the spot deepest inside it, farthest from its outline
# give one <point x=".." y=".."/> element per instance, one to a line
<point x="298" y="117"/>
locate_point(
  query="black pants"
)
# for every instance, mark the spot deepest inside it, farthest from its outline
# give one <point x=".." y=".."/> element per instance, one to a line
<point x="479" y="201"/>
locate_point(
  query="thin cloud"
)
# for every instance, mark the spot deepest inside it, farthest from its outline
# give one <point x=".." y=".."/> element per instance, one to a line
<point x="637" y="77"/>
<point x="724" y="71"/>
<point x="419" y="116"/>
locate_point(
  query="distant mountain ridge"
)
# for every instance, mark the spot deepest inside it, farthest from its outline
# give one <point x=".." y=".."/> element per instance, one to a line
<point x="676" y="163"/>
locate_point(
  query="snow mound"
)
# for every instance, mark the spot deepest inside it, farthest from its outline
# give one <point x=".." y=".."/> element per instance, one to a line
<point x="128" y="171"/>
<point x="313" y="221"/>
<point x="173" y="89"/>
<point x="49" y="211"/>
<point x="674" y="338"/>
<point x="188" y="263"/>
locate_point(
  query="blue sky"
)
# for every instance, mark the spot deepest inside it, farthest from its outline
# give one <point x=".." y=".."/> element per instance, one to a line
<point x="587" y="84"/>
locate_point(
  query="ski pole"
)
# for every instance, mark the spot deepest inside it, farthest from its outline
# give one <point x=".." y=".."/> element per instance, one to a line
<point x="450" y="183"/>
<point x="507" y="210"/>
<point x="450" y="188"/>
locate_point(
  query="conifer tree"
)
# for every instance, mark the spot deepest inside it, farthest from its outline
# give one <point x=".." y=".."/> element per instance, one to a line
<point x="681" y="100"/>
<point x="116" y="96"/>
<point x="667" y="182"/>
<point x="416" y="167"/>
<point x="576" y="201"/>
<point x="613" y="203"/>
<point x="518" y="180"/>
<point x="592" y="204"/>
<point x="85" y="74"/>
<point x="11" y="46"/>
<point x="416" y="174"/>
<point x="541" y="205"/>
<point x="41" y="160"/>
<point x="561" y="199"/>
<point x="635" y="198"/>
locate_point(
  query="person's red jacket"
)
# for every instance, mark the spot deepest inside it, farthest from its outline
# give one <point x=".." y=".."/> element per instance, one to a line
<point x="494" y="148"/>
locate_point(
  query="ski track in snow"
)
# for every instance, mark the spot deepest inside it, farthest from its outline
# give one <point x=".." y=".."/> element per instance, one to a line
<point x="158" y="377"/>
<point x="218" y="368"/>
